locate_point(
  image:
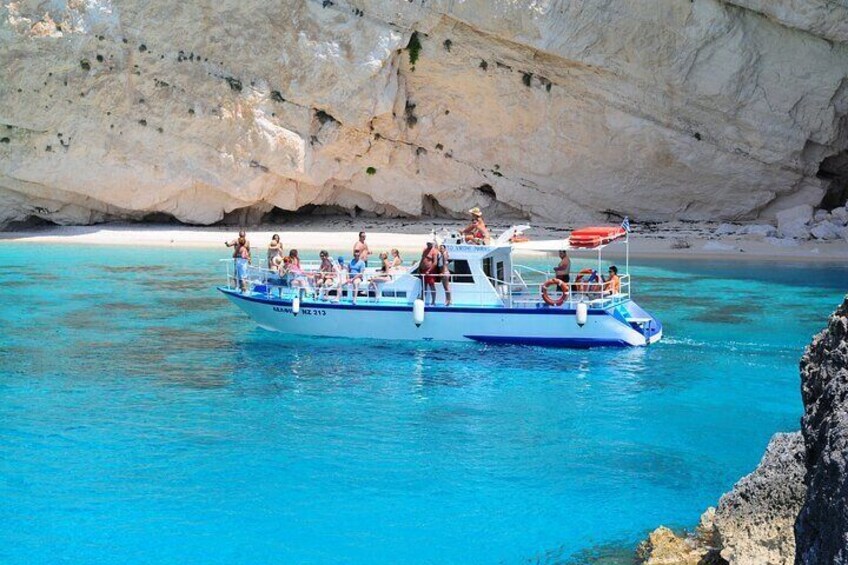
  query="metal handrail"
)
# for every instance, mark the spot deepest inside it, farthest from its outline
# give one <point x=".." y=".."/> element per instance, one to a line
<point x="509" y="293"/>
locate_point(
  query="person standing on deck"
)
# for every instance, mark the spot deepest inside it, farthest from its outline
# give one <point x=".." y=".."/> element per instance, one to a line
<point x="235" y="243"/>
<point x="241" y="258"/>
<point x="361" y="246"/>
<point x="275" y="249"/>
<point x="442" y="261"/>
<point x="427" y="272"/>
<point x="242" y="261"/>
<point x="563" y="270"/>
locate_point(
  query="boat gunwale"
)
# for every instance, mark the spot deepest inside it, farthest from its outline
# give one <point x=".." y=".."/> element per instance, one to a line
<point x="540" y="310"/>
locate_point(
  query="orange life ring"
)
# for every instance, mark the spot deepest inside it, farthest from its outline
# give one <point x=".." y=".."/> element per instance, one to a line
<point x="582" y="280"/>
<point x="563" y="289"/>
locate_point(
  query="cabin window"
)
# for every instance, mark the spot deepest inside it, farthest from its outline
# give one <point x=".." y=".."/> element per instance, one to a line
<point x="460" y="270"/>
<point x="500" y="274"/>
<point x="487" y="267"/>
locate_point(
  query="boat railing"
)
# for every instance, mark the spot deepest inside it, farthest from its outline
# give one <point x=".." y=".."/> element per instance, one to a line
<point x="526" y="292"/>
<point x="523" y="291"/>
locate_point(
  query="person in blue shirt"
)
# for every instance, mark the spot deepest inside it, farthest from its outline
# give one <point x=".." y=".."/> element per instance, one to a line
<point x="356" y="270"/>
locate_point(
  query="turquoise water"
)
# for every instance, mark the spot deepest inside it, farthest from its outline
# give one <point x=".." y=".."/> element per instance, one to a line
<point x="143" y="418"/>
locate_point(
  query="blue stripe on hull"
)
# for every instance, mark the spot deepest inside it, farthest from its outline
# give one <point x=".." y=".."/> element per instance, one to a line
<point x="570" y="342"/>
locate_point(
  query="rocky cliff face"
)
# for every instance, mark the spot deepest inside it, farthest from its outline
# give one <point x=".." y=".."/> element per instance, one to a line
<point x="802" y="481"/>
<point x="753" y="524"/>
<point x="754" y="521"/>
<point x="822" y="527"/>
<point x="551" y="110"/>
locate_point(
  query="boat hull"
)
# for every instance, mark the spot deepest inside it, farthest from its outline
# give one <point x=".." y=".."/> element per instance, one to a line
<point x="551" y="327"/>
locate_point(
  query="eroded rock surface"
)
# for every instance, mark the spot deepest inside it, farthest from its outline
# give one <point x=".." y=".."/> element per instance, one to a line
<point x="754" y="521"/>
<point x="753" y="524"/>
<point x="822" y="527"/>
<point x="552" y="110"/>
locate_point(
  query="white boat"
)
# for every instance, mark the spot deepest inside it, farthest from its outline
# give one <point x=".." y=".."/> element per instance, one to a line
<point x="494" y="300"/>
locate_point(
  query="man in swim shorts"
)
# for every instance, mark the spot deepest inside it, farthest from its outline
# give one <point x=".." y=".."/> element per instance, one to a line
<point x="427" y="271"/>
<point x="563" y="270"/>
<point x="360" y="246"/>
<point x="241" y="257"/>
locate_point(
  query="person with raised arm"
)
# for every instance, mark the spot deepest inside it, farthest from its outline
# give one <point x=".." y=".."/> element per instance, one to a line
<point x="241" y="258"/>
<point x="236" y="245"/>
<point x="275" y="249"/>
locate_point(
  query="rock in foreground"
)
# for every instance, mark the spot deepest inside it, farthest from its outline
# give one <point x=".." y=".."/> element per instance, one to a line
<point x="754" y="521"/>
<point x="822" y="527"/>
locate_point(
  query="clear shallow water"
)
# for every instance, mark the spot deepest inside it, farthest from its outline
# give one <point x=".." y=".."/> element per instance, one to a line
<point x="143" y="418"/>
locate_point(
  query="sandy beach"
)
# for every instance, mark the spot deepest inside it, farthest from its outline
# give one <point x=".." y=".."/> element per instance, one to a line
<point x="668" y="240"/>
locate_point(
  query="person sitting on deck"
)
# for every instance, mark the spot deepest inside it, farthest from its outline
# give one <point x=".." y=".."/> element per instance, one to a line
<point x="563" y="270"/>
<point x="340" y="276"/>
<point x="396" y="260"/>
<point x="612" y="286"/>
<point x="357" y="273"/>
<point x="297" y="277"/>
<point x="324" y="276"/>
<point x="476" y="233"/>
<point x="276" y="266"/>
<point x="383" y="276"/>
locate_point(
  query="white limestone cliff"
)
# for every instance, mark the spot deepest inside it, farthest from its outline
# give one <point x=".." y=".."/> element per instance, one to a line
<point x="545" y="109"/>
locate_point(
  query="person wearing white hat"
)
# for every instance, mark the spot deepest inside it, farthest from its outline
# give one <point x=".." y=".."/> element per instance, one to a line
<point x="476" y="233"/>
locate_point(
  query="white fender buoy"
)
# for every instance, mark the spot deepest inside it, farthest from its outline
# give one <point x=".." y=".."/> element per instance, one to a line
<point x="582" y="313"/>
<point x="418" y="312"/>
<point x="296" y="305"/>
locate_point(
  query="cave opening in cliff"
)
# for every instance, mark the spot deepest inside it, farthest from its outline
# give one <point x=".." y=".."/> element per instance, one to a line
<point x="29" y="223"/>
<point x="834" y="169"/>
<point x="487" y="190"/>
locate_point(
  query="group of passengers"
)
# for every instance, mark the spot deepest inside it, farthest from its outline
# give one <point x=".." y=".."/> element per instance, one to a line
<point x="330" y="275"/>
<point x="433" y="266"/>
<point x="588" y="281"/>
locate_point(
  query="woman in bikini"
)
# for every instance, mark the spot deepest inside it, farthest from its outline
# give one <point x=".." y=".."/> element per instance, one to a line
<point x="325" y="275"/>
<point x="275" y="249"/>
<point x="442" y="261"/>
<point x="396" y="260"/>
<point x="383" y="276"/>
<point x="476" y="233"/>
